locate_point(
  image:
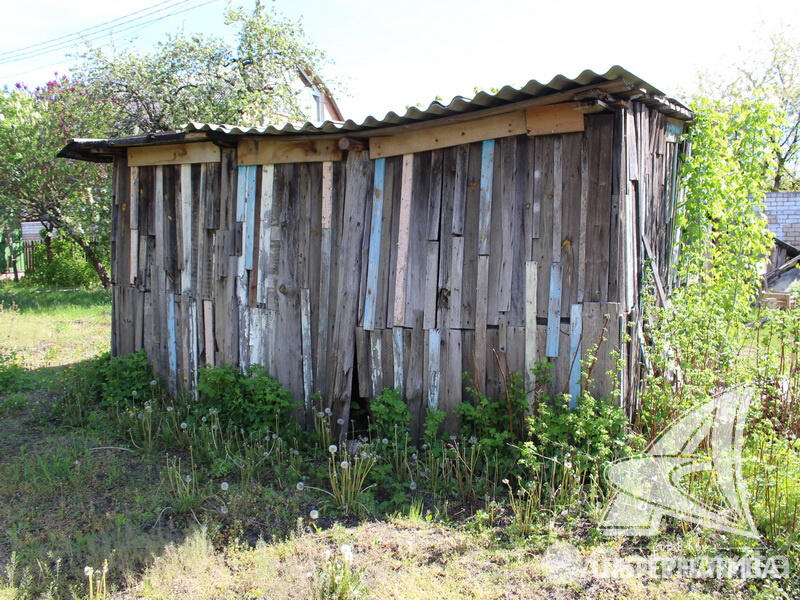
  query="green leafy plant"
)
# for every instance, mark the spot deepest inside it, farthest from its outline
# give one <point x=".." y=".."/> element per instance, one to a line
<point x="390" y="413"/>
<point x="336" y="579"/>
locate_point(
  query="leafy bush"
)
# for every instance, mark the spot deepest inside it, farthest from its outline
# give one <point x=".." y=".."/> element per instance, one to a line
<point x="389" y="411"/>
<point x="13" y="377"/>
<point x="254" y="402"/>
<point x="69" y="267"/>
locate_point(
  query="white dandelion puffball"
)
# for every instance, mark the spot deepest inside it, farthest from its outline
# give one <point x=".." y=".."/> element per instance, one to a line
<point x="188" y="479"/>
<point x="224" y="486"/>
<point x="274" y="436"/>
<point x="204" y="419"/>
<point x="384" y="441"/>
<point x="505" y="481"/>
<point x="332" y="448"/>
<point x="412" y="485"/>
<point x="347" y="553"/>
<point x="223" y="509"/>
<point x="88" y="571"/>
<point x="184" y="425"/>
<point x="328" y="411"/>
<point x="345" y="464"/>
<point x="340" y="421"/>
<point x="321" y="414"/>
<point x="300" y="486"/>
<point x="170" y="408"/>
<point x="153" y="383"/>
<point x="314" y="515"/>
<point x="472" y="439"/>
<point x="134" y="393"/>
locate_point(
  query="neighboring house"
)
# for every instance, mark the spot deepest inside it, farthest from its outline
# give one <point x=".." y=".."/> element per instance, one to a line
<point x="405" y="250"/>
<point x="783" y="220"/>
<point x="783" y="216"/>
<point x="32" y="231"/>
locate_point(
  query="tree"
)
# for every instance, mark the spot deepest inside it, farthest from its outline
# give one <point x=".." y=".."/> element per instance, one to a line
<point x="69" y="196"/>
<point x="202" y="78"/>
<point x="771" y="77"/>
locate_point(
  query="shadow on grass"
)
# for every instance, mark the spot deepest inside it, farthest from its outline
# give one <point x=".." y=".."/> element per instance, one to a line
<point x="77" y="493"/>
<point x="36" y="299"/>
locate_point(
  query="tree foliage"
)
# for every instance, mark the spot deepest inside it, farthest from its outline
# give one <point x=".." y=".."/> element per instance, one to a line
<point x="696" y="339"/>
<point x="203" y="78"/>
<point x="770" y="77"/>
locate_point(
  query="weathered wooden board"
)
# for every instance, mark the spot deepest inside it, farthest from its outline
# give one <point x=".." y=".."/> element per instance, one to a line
<point x="173" y="154"/>
<point x="445" y="136"/>
<point x="262" y="151"/>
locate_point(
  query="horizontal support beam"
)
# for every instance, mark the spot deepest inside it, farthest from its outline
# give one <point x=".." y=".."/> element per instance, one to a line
<point x="173" y="154"/>
<point x="271" y="152"/>
<point x="443" y="136"/>
<point x="554" y="118"/>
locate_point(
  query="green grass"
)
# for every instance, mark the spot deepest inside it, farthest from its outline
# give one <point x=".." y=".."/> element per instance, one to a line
<point x="49" y="328"/>
<point x="75" y="492"/>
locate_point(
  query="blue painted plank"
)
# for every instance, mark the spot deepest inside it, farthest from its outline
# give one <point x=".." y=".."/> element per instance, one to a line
<point x="375" y="232"/>
<point x="554" y="312"/>
<point x="434" y="367"/>
<point x="485" y="215"/>
<point x="241" y="193"/>
<point x="575" y="332"/>
<point x="172" y="347"/>
<point x="250" y="218"/>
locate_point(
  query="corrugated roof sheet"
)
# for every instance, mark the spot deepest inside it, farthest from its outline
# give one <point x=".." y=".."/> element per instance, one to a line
<point x="458" y="105"/>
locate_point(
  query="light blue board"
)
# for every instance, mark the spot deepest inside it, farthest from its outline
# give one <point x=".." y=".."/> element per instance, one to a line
<point x="554" y="312"/>
<point x="575" y="332"/>
<point x="485" y="215"/>
<point x="172" y="348"/>
<point x="434" y="367"/>
<point x="250" y="218"/>
<point x="241" y="193"/>
<point x="375" y="232"/>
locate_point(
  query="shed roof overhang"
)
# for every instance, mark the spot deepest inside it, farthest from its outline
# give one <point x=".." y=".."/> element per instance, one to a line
<point x="588" y="92"/>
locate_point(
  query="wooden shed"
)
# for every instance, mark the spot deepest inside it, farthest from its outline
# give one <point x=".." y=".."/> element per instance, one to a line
<point x="492" y="232"/>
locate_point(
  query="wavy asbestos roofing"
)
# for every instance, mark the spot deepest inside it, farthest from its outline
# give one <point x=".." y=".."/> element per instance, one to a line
<point x="644" y="92"/>
<point x="458" y="105"/>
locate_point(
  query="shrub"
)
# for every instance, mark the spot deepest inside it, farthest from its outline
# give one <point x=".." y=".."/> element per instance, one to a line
<point x="68" y="268"/>
<point x="389" y="411"/>
<point x="254" y="401"/>
<point x="13" y="377"/>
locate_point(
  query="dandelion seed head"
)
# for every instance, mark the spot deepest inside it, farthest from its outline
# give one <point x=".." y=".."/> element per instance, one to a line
<point x="332" y="448"/>
<point x="340" y="421"/>
<point x="203" y="419"/>
<point x="384" y="441"/>
<point x="188" y="479"/>
<point x="153" y="383"/>
<point x="223" y="509"/>
<point x="88" y="571"/>
<point x="224" y="486"/>
<point x="134" y="393"/>
<point x="314" y="515"/>
<point x="184" y="425"/>
<point x="412" y="485"/>
<point x="347" y="553"/>
<point x="345" y="465"/>
<point x="328" y="411"/>
<point x="300" y="486"/>
<point x="170" y="408"/>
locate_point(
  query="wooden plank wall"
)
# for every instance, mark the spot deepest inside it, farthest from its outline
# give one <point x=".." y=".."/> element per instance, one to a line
<point x="405" y="271"/>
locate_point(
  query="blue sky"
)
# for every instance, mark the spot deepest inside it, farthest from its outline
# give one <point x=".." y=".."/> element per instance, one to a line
<point x="388" y="55"/>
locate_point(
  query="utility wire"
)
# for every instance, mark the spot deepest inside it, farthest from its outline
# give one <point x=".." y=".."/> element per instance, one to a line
<point x="130" y="24"/>
<point x="77" y="34"/>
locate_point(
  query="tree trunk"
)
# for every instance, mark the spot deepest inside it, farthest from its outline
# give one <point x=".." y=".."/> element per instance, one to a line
<point x="48" y="244"/>
<point x="93" y="259"/>
<point x="13" y="254"/>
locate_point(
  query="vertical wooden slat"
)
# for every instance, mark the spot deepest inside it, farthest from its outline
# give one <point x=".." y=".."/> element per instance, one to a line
<point x="133" y="213"/>
<point x="208" y="325"/>
<point x="434" y="367"/>
<point x="481" y="315"/>
<point x="456" y="272"/>
<point x="265" y="241"/>
<point x="484" y="217"/>
<point x="186" y="228"/>
<point x="402" y="241"/>
<point x="376" y="362"/>
<point x="435" y="195"/>
<point x="557" y="195"/>
<point x="305" y="328"/>
<point x="575" y="334"/>
<point x="554" y="311"/>
<point x="172" y="344"/>
<point x="250" y="218"/>
<point x="531" y="342"/>
<point x="582" y="227"/>
<point x="323" y="322"/>
<point x="374" y="257"/>
<point x="397" y="358"/>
